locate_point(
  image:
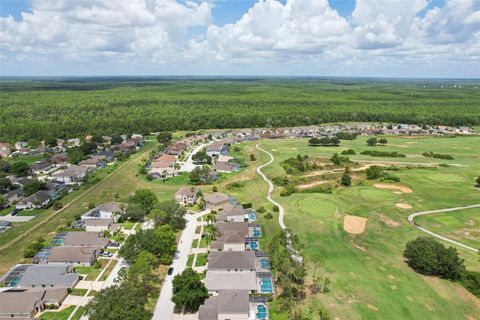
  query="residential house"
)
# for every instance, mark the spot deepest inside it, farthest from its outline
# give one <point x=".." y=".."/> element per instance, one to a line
<point x="111" y="210"/>
<point x="13" y="196"/>
<point x="5" y="225"/>
<point x="228" y="304"/>
<point x="37" y="200"/>
<point x="187" y="196"/>
<point x="226" y="167"/>
<point x="94" y="162"/>
<point x="231" y="270"/>
<point x="109" y="155"/>
<point x="59" y="158"/>
<point x="5" y="153"/>
<point x="100" y="225"/>
<point x="73" y="174"/>
<point x="163" y="166"/>
<point x="216" y="201"/>
<point x="26" y="303"/>
<point x="21" y="145"/>
<point x="55" y="188"/>
<point x="75" y="142"/>
<point x="40" y="167"/>
<point x="218" y="148"/>
<point x="85" y="256"/>
<point x="232" y="213"/>
<point x="84" y="239"/>
<point x="126" y="146"/>
<point x="45" y="276"/>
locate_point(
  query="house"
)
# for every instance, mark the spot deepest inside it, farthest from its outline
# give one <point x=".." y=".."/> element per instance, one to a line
<point x="72" y="175"/>
<point x="127" y="146"/>
<point x="26" y="303"/>
<point x="109" y="155"/>
<point x="85" y="256"/>
<point x="21" y="145"/>
<point x="13" y="196"/>
<point x="232" y="213"/>
<point x="111" y="210"/>
<point x="41" y="167"/>
<point x="5" y="146"/>
<point x="164" y="161"/>
<point x="55" y="188"/>
<point x="95" y="162"/>
<point x="21" y="182"/>
<point x="231" y="270"/>
<point x="227" y="167"/>
<point x="187" y="195"/>
<point x="228" y="304"/>
<point x="100" y="225"/>
<point x="37" y="200"/>
<point x="216" y="201"/>
<point x="229" y="241"/>
<point x="84" y="239"/>
<point x="40" y="150"/>
<point x="59" y="158"/>
<point x="5" y="153"/>
<point x="45" y="276"/>
<point x="218" y="148"/>
<point x="75" y="142"/>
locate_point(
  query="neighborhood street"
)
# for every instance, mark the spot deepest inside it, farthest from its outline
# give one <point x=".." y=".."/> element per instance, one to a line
<point x="164" y="307"/>
<point x="188" y="165"/>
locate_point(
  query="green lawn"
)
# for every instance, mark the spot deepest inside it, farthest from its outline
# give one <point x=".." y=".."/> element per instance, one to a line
<point x="34" y="212"/>
<point x="195" y="243"/>
<point x="201" y="260"/>
<point x="128" y="225"/>
<point x="462" y="226"/>
<point x="190" y="260"/>
<point x="78" y="292"/>
<point x="369" y="277"/>
<point x="6" y="211"/>
<point x="108" y="270"/>
<point x="58" y="315"/>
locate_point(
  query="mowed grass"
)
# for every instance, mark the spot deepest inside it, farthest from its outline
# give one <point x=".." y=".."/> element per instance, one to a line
<point x="462" y="225"/>
<point x="370" y="280"/>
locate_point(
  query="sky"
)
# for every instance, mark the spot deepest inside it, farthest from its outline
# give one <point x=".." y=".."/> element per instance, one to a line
<point x="354" y="38"/>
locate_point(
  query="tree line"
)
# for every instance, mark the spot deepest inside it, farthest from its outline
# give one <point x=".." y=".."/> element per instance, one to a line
<point x="54" y="110"/>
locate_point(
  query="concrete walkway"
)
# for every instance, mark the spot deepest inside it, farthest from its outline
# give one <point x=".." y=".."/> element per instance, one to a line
<point x="411" y="219"/>
<point x="281" y="211"/>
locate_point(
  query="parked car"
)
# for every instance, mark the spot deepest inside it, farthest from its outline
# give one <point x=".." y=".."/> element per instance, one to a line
<point x="15" y="212"/>
<point x="170" y="271"/>
<point x="106" y="254"/>
<point x="114" y="244"/>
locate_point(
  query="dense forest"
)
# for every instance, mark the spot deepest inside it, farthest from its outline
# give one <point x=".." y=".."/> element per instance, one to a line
<point x="70" y="108"/>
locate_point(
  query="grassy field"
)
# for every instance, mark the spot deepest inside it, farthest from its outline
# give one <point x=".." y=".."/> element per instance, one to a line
<point x="462" y="226"/>
<point x="369" y="277"/>
<point x="59" y="315"/>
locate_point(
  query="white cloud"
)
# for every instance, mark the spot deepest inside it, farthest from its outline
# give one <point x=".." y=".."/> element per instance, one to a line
<point x="271" y="35"/>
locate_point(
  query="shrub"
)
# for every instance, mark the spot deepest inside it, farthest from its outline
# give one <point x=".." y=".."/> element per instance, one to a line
<point x="430" y="154"/>
<point x="252" y="157"/>
<point x="276" y="209"/>
<point x="261" y="210"/>
<point x="57" y="205"/>
<point x="383" y="141"/>
<point x="346" y="135"/>
<point x="390" y="177"/>
<point x="346" y="180"/>
<point x="471" y="281"/>
<point x="338" y="160"/>
<point x="427" y="256"/>
<point x="247" y="205"/>
<point x="268" y="215"/>
<point x="372" y="142"/>
<point x="374" y="172"/>
<point x="349" y="152"/>
<point x="376" y="153"/>
<point x="325" y="141"/>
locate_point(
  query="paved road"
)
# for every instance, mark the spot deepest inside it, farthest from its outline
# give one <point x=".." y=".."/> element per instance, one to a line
<point x="281" y="211"/>
<point x="411" y="219"/>
<point x="164" y="307"/>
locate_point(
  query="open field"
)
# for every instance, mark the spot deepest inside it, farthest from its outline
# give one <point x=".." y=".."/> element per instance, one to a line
<point x="369" y="278"/>
<point x="462" y="226"/>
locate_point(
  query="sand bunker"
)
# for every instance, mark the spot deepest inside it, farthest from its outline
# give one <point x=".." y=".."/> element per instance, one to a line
<point x="311" y="184"/>
<point x="389" y="222"/>
<point x="403" y="205"/>
<point x="274" y="150"/>
<point x="393" y="187"/>
<point x="354" y="225"/>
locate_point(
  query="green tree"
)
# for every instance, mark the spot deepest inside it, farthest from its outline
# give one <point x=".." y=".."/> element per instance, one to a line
<point x="5" y="185"/>
<point x="478" y="181"/>
<point x="188" y="290"/>
<point x="170" y="212"/>
<point x="372" y="142"/>
<point x="164" y="137"/>
<point x="200" y="175"/>
<point x="383" y="141"/>
<point x="374" y="172"/>
<point x="119" y="302"/>
<point x="252" y="157"/>
<point x="34" y="186"/>
<point x="20" y="168"/>
<point x="145" y="198"/>
<point x="346" y="180"/>
<point x="75" y="155"/>
<point x="427" y="256"/>
<point x="51" y="142"/>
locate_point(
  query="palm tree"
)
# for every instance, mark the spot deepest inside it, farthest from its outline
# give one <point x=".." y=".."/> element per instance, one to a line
<point x="211" y="232"/>
<point x="210" y="218"/>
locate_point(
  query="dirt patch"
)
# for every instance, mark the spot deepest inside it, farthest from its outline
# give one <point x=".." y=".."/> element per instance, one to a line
<point x="394" y="287"/>
<point x="398" y="145"/>
<point x="354" y="225"/>
<point x="391" y="277"/>
<point x="294" y="148"/>
<point x="353" y="275"/>
<point x="398" y="187"/>
<point x="274" y="150"/>
<point x="372" y="307"/>
<point x="470" y="222"/>
<point x="311" y="184"/>
<point x="398" y="192"/>
<point x="389" y="222"/>
<point x="402" y="205"/>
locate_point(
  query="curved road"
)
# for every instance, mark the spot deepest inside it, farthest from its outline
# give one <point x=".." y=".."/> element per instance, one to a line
<point x="411" y="219"/>
<point x="281" y="211"/>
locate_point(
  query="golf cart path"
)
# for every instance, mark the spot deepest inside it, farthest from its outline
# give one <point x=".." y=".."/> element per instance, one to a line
<point x="411" y="219"/>
<point x="281" y="211"/>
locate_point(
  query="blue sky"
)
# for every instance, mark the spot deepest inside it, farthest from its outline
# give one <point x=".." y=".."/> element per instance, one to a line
<point x="394" y="38"/>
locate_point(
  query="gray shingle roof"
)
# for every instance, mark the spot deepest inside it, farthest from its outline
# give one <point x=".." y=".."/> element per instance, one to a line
<point x="48" y="275"/>
<point x="231" y="302"/>
<point x="85" y="239"/>
<point x="224" y="260"/>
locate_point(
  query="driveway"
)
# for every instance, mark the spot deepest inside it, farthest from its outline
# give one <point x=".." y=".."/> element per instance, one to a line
<point x="164" y="307"/>
<point x="11" y="218"/>
<point x="188" y="165"/>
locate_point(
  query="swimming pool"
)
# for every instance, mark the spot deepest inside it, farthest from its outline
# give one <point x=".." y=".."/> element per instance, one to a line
<point x="257" y="233"/>
<point x="253" y="246"/>
<point x="252" y="217"/>
<point x="264" y="264"/>
<point x="261" y="312"/>
<point x="266" y="285"/>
